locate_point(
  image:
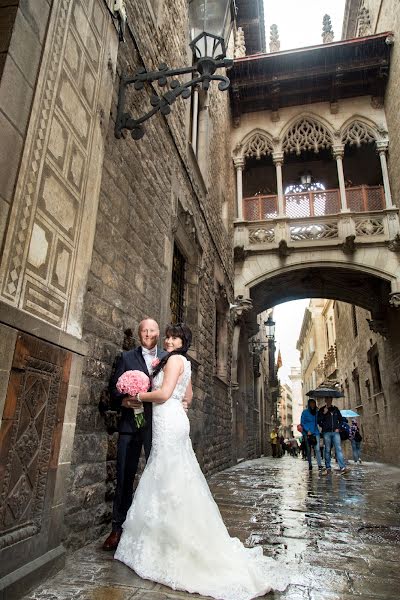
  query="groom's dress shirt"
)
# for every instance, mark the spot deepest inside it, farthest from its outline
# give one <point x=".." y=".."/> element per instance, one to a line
<point x="149" y="356"/>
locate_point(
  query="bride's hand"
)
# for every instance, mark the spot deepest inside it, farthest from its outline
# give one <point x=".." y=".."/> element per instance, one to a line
<point x="185" y="405"/>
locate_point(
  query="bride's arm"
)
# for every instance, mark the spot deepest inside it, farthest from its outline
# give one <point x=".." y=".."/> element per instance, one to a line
<point x="172" y="370"/>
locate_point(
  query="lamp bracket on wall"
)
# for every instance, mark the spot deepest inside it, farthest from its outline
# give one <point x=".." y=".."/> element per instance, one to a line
<point x="203" y="71"/>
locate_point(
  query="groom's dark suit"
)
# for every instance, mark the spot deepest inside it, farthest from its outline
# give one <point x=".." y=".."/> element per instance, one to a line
<point x="130" y="439"/>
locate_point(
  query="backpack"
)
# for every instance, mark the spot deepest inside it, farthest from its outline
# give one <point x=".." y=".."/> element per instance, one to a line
<point x="344" y="431"/>
<point x="357" y="436"/>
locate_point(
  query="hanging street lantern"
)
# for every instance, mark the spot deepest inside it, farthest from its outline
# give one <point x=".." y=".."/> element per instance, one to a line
<point x="270" y="328"/>
<point x="210" y="25"/>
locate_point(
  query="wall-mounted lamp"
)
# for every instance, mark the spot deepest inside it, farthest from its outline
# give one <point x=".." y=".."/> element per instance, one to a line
<point x="270" y="325"/>
<point x="210" y="24"/>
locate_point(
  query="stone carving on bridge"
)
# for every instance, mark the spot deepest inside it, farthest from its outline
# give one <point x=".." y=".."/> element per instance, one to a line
<point x="378" y="326"/>
<point x="239" y="253"/>
<point x="306" y="134"/>
<point x="241" y="307"/>
<point x="283" y="249"/>
<point x="317" y="231"/>
<point x="394" y="244"/>
<point x="394" y="300"/>
<point x="349" y="246"/>
<point x="369" y="227"/>
<point x="357" y="133"/>
<point x="261" y="236"/>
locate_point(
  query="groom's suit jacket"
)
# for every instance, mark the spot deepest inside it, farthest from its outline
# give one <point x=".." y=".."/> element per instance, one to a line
<point x="130" y="361"/>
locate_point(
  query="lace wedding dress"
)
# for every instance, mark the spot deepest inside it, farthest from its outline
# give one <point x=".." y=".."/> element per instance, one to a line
<point x="174" y="533"/>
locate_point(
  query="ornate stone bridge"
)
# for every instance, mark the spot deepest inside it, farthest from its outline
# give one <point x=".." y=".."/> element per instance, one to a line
<point x="338" y="243"/>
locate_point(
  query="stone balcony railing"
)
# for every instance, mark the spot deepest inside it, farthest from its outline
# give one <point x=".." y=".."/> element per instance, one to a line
<point x="316" y="217"/>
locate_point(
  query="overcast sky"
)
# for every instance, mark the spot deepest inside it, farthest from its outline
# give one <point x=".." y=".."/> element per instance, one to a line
<point x="300" y="22"/>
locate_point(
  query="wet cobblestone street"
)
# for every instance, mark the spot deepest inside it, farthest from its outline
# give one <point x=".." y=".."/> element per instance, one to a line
<point x="340" y="535"/>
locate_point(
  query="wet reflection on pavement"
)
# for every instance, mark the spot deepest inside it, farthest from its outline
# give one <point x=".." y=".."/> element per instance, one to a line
<point x="339" y="535"/>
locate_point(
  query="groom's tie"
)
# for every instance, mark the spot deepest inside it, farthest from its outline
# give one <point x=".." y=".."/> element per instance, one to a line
<point x="147" y="352"/>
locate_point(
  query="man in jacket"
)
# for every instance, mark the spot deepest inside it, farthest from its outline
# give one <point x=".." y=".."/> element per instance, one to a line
<point x="330" y="420"/>
<point x="309" y="423"/>
<point x="131" y="440"/>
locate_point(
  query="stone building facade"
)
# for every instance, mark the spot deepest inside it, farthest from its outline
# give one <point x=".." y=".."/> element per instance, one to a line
<point x="297" y="397"/>
<point x="364" y="372"/>
<point x="285" y="411"/>
<point x="349" y="352"/>
<point x="98" y="233"/>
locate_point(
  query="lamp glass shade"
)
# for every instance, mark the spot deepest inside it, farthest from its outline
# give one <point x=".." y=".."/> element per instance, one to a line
<point x="210" y="24"/>
<point x="270" y="328"/>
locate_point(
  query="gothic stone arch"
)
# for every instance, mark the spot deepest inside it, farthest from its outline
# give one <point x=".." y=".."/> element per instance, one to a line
<point x="257" y="143"/>
<point x="367" y="280"/>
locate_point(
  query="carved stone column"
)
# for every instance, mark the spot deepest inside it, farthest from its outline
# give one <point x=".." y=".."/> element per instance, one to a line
<point x="382" y="149"/>
<point x="338" y="152"/>
<point x="239" y="166"/>
<point x="278" y="162"/>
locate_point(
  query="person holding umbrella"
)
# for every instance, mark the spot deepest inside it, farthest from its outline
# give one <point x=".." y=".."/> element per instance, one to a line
<point x="355" y="439"/>
<point x="309" y="423"/>
<point x="330" y="420"/>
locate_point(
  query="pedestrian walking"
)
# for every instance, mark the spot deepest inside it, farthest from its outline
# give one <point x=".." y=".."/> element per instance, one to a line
<point x="330" y="420"/>
<point x="311" y="435"/>
<point x="303" y="448"/>
<point x="355" y="440"/>
<point x="274" y="442"/>
<point x="293" y="447"/>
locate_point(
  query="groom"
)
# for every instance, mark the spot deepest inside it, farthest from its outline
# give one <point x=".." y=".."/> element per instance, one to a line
<point x="130" y="439"/>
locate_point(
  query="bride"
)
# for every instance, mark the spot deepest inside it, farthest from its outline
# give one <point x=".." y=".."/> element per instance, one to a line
<point x="174" y="533"/>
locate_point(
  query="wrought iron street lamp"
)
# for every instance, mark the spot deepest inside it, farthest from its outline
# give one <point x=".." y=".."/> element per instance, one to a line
<point x="210" y="23"/>
<point x="269" y="325"/>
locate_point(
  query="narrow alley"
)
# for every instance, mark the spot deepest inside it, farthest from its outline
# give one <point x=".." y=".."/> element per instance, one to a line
<point x="340" y="535"/>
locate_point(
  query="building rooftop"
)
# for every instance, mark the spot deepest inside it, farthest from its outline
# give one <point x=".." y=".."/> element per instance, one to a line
<point x="327" y="72"/>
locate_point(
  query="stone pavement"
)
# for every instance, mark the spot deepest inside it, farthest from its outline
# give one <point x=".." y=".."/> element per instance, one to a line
<point x="340" y="535"/>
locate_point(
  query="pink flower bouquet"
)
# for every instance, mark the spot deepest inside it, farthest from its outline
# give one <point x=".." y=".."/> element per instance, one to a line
<point x="132" y="383"/>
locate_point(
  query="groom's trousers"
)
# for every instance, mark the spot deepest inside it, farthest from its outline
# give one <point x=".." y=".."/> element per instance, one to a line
<point x="128" y="454"/>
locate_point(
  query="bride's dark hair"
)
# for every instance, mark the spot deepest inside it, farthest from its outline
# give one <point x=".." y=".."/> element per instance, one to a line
<point x="179" y="330"/>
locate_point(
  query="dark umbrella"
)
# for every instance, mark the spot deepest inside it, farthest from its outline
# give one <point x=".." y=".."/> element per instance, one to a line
<point x="325" y="392"/>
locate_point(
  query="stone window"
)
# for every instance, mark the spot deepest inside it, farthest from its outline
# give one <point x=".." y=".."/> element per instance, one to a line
<point x="186" y="272"/>
<point x="346" y="393"/>
<point x="354" y="320"/>
<point x="373" y="359"/>
<point x="357" y="389"/>
<point x="221" y="332"/>
<point x="177" y="302"/>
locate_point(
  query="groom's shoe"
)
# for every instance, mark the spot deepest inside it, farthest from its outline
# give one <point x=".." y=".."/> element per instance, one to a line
<point x="112" y="541"/>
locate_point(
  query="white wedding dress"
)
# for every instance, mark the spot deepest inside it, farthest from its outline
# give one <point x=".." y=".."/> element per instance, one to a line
<point x="174" y="533"/>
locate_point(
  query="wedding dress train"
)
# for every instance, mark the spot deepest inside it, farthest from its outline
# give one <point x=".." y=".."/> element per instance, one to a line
<point x="174" y="533"/>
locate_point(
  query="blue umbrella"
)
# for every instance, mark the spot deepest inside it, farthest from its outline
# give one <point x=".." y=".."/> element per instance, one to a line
<point x="349" y="413"/>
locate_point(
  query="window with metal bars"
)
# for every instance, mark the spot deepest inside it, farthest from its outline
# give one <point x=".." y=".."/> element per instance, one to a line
<point x="177" y="300"/>
<point x="354" y="320"/>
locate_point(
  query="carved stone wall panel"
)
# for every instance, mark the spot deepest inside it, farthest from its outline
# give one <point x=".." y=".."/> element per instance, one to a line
<point x="30" y="436"/>
<point x="370" y="227"/>
<point x="64" y="149"/>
